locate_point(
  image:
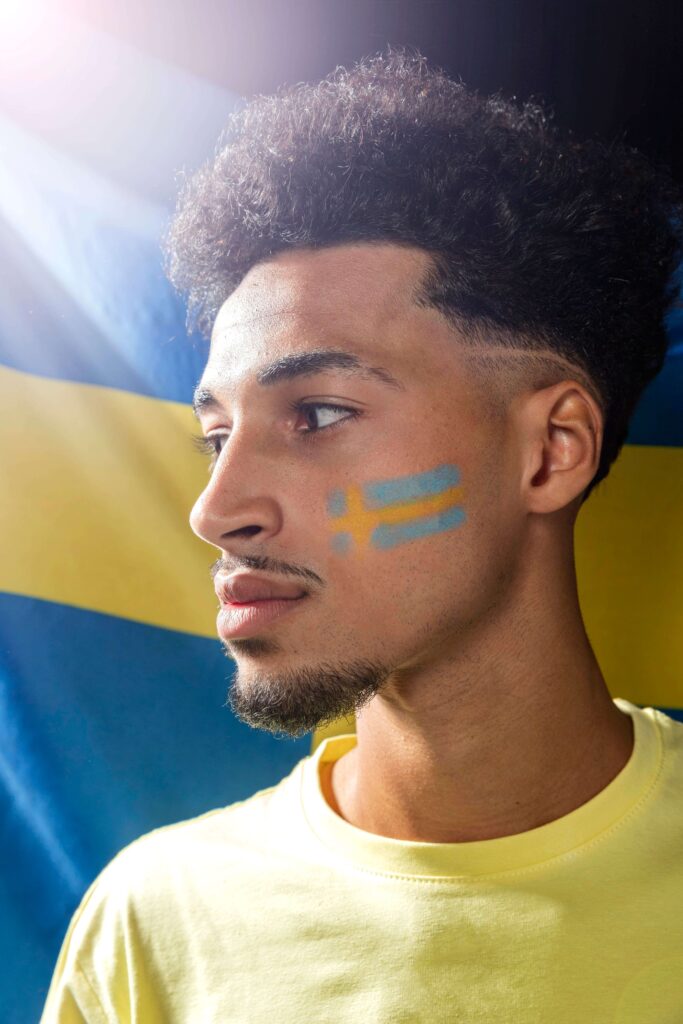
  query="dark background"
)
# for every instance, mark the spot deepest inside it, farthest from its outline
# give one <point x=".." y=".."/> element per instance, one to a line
<point x="605" y="68"/>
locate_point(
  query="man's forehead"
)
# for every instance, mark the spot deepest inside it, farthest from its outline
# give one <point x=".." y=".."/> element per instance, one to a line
<point x="246" y="347"/>
<point x="303" y="302"/>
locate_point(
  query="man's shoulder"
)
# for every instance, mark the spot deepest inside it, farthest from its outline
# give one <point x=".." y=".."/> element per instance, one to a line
<point x="233" y="839"/>
<point x="161" y="889"/>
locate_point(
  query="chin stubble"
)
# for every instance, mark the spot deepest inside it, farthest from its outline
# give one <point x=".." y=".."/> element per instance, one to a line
<point x="294" y="702"/>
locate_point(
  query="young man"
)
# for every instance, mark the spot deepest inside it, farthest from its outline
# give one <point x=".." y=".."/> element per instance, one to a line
<point x="432" y="316"/>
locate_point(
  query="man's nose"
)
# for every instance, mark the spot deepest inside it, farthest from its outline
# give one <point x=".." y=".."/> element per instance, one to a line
<point x="238" y="501"/>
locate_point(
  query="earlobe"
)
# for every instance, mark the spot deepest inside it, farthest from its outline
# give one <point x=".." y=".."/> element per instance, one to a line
<point x="565" y="437"/>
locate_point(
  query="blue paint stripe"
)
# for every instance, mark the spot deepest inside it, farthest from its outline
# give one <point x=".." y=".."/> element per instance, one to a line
<point x="336" y="504"/>
<point x="389" y="535"/>
<point x="408" y="488"/>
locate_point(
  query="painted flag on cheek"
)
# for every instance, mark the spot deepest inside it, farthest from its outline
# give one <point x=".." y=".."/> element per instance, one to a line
<point x="387" y="513"/>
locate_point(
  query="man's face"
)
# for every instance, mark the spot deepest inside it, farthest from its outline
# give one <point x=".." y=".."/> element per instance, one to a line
<point x="399" y="520"/>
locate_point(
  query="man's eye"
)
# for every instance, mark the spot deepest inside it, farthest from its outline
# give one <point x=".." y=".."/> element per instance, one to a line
<point x="213" y="444"/>
<point x="208" y="445"/>
<point x="306" y="406"/>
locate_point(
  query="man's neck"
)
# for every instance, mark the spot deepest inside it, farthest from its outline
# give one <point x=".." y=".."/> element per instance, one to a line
<point x="490" y="744"/>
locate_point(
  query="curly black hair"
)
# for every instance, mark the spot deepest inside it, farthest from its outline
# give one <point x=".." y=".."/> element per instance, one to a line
<point x="539" y="241"/>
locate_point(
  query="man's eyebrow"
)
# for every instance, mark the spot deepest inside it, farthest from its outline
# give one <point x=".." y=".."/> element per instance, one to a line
<point x="302" y="364"/>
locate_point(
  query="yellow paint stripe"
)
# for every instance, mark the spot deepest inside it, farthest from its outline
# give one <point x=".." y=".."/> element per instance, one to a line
<point x="99" y="484"/>
<point x="360" y="521"/>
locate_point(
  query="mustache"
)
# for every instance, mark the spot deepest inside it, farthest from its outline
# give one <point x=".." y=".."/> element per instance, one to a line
<point x="259" y="563"/>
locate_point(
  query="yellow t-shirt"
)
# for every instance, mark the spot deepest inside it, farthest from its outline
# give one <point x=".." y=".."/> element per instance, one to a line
<point x="277" y="911"/>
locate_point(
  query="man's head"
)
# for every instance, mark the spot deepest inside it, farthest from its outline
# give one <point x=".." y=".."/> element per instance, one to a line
<point x="509" y="289"/>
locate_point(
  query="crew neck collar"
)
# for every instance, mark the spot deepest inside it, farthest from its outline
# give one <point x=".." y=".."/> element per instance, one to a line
<point x="580" y="827"/>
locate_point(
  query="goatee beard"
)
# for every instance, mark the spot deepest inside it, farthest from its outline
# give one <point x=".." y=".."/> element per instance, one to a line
<point x="293" y="703"/>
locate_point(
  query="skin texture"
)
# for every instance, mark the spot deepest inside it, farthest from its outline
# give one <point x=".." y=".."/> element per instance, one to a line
<point x="481" y="709"/>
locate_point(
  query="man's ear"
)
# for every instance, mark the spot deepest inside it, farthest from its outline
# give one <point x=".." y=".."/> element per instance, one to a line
<point x="562" y="434"/>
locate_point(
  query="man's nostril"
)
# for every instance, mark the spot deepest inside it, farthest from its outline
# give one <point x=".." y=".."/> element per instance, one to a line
<point x="245" y="531"/>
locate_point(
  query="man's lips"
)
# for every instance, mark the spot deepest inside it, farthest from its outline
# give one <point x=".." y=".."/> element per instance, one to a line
<point x="248" y="588"/>
<point x="244" y="619"/>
